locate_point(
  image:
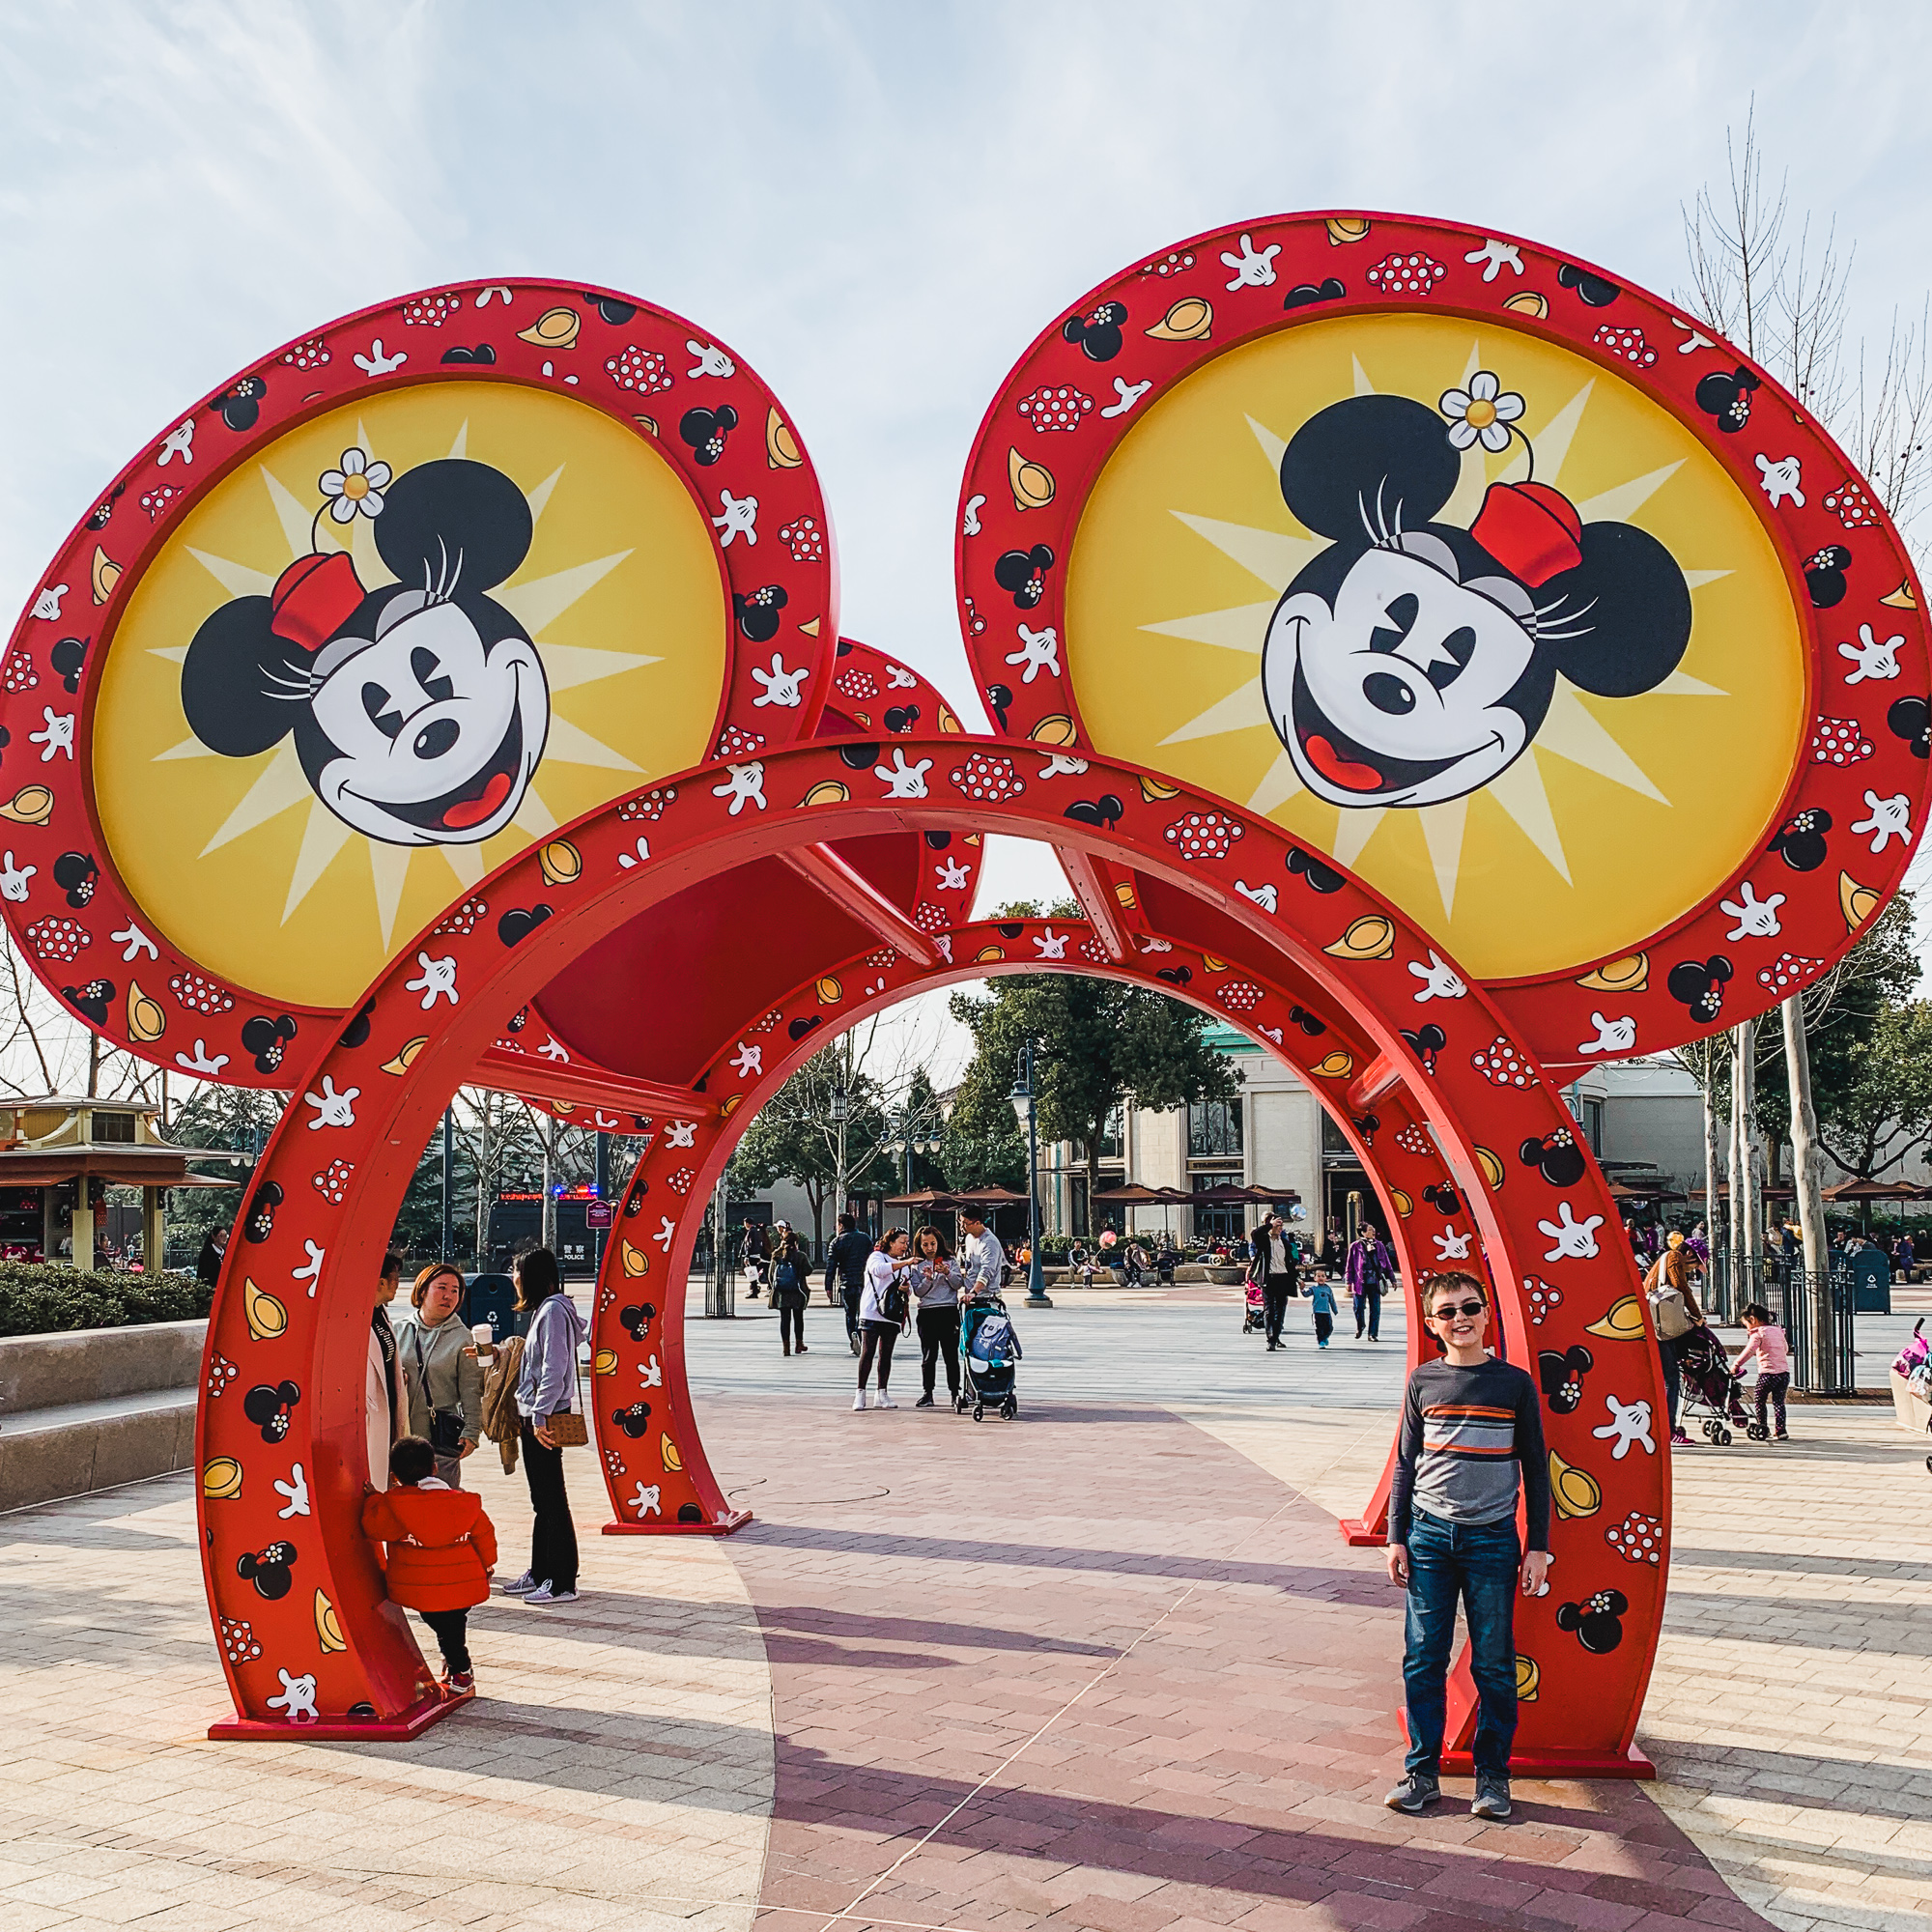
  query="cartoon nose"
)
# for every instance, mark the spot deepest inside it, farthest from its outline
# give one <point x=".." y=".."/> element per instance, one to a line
<point x="1387" y="693"/>
<point x="433" y="740"/>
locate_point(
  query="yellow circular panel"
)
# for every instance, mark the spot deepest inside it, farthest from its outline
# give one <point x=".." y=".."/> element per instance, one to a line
<point x="248" y="869"/>
<point x="1621" y="812"/>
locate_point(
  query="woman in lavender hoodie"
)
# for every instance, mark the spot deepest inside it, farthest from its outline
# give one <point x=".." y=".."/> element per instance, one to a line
<point x="546" y="1384"/>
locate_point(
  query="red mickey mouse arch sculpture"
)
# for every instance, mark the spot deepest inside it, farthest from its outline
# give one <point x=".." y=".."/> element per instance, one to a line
<point x="1421" y="563"/>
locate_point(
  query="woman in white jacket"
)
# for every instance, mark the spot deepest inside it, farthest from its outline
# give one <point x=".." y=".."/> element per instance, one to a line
<point x="884" y="1313"/>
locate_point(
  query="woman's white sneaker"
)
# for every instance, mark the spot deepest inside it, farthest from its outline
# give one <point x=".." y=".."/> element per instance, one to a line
<point x="520" y="1586"/>
<point x="547" y="1593"/>
<point x="884" y="1401"/>
<point x="859" y="1401"/>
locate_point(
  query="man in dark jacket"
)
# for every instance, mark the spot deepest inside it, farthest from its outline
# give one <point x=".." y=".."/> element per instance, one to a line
<point x="845" y="1266"/>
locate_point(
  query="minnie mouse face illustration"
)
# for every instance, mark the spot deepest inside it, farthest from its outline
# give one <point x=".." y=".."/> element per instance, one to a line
<point x="419" y="709"/>
<point x="1413" y="662"/>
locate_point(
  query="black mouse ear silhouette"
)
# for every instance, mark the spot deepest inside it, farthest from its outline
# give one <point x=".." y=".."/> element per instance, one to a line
<point x="242" y="688"/>
<point x="1629" y="607"/>
<point x="1369" y="463"/>
<point x="453" y="526"/>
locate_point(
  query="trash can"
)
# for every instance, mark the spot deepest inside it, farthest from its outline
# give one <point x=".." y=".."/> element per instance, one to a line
<point x="1871" y="1282"/>
<point x="492" y="1299"/>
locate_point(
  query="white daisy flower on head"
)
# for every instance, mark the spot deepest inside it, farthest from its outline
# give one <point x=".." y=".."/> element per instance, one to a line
<point x="1481" y="412"/>
<point x="356" y="487"/>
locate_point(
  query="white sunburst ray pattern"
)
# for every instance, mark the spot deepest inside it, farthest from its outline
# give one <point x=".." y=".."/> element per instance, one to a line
<point x="1274" y="554"/>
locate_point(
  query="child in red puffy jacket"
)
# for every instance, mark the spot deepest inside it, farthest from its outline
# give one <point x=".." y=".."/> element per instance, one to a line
<point x="442" y="1550"/>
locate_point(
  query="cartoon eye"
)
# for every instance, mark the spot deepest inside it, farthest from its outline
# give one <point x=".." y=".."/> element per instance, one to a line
<point x="1387" y="693"/>
<point x="1461" y="644"/>
<point x="424" y="666"/>
<point x="433" y="740"/>
<point x="1400" y="614"/>
<point x="375" y="702"/>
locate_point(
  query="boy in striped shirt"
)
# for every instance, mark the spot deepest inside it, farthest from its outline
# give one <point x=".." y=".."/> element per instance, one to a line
<point x="1472" y="1436"/>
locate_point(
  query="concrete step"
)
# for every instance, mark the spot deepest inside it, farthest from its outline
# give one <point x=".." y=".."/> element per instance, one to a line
<point x="79" y="1446"/>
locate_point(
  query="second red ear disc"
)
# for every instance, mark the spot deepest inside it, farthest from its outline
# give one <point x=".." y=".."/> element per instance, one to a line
<point x="1490" y="578"/>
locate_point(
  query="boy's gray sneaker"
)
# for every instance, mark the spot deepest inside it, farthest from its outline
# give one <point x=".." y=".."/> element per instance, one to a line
<point x="1492" y="1800"/>
<point x="1416" y="1791"/>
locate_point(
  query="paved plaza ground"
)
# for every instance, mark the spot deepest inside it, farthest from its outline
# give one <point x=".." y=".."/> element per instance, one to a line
<point x="1108" y="1667"/>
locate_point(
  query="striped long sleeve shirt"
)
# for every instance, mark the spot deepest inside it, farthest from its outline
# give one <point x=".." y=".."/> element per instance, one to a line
<point x="1468" y="1437"/>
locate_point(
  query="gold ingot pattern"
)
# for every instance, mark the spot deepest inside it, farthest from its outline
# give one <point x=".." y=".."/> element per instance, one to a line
<point x="1621" y="1323"/>
<point x="405" y="1058"/>
<point x="1404" y="1205"/>
<point x="221" y="1480"/>
<point x="104" y="575"/>
<point x="327" y="1630"/>
<point x="1630" y="974"/>
<point x="1527" y="301"/>
<point x="1856" y="902"/>
<point x="1370" y="937"/>
<point x="268" y="1318"/>
<point x="604" y="1362"/>
<point x="554" y="328"/>
<point x="1188" y="321"/>
<point x="1335" y="1065"/>
<point x="667" y="1449"/>
<point x="1056" y="729"/>
<point x="1491" y="1166"/>
<point x="781" y="450"/>
<point x="145" y="1019"/>
<point x="827" y="791"/>
<point x="1575" y="1492"/>
<point x="1345" y="228"/>
<point x="1031" y="482"/>
<point x="830" y="993"/>
<point x="1154" y="791"/>
<point x="31" y="804"/>
<point x="636" y="1261"/>
<point x="989" y="953"/>
<point x="1125" y="893"/>
<point x="1528" y="1679"/>
<point x="560" y="863"/>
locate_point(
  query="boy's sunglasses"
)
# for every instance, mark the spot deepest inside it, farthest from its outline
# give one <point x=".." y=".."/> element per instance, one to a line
<point x="1450" y="1308"/>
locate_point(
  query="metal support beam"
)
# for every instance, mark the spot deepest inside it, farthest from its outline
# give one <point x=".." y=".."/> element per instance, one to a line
<point x="853" y="894"/>
<point x="1383" y="1072"/>
<point x="1096" y="893"/>
<point x="532" y="1077"/>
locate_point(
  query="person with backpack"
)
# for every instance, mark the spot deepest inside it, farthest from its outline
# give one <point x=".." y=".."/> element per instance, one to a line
<point x="846" y="1273"/>
<point x="1675" y="1316"/>
<point x="792" y="1286"/>
<point x="885" y="1312"/>
<point x="1370" y="1268"/>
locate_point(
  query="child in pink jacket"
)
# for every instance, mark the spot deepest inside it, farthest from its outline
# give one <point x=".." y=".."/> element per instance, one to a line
<point x="1765" y="1341"/>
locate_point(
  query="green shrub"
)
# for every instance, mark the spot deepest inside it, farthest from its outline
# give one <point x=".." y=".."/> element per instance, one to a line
<point x="37" y="1299"/>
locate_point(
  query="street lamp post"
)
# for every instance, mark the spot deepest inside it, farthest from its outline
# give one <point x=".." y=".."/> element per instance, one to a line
<point x="1023" y="1099"/>
<point x="838" y="1113"/>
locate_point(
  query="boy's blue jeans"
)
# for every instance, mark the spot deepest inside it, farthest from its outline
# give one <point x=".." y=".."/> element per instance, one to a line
<point x="1479" y="1563"/>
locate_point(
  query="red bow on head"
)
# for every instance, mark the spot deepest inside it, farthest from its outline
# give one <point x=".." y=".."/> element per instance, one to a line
<point x="313" y="598"/>
<point x="1532" y="531"/>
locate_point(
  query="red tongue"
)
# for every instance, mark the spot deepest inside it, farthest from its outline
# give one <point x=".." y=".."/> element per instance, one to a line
<point x="1331" y="764"/>
<point x="474" y="811"/>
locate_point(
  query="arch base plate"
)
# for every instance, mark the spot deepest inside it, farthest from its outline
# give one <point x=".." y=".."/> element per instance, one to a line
<point x="723" y="1527"/>
<point x="412" y="1722"/>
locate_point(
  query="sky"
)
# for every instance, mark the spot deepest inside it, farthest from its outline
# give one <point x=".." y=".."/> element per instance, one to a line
<point x="877" y="207"/>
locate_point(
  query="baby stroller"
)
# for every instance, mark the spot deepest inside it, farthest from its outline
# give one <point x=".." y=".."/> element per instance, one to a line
<point x="988" y="1349"/>
<point x="1712" y="1396"/>
<point x="1253" y="1318"/>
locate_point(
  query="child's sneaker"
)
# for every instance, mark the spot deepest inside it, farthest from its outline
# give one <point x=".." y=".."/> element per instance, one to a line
<point x="459" y="1682"/>
<point x="518" y="1586"/>
<point x="1679" y="1441"/>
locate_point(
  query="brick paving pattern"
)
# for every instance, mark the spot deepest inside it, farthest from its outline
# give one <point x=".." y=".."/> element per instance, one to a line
<point x="1101" y="1671"/>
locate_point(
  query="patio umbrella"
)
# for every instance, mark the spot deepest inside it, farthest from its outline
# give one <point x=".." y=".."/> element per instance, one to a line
<point x="1131" y="1194"/>
<point x="926" y="1197"/>
<point x="1862" y="1189"/>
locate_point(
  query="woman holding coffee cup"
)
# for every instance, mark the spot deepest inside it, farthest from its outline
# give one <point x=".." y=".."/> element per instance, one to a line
<point x="442" y="1378"/>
